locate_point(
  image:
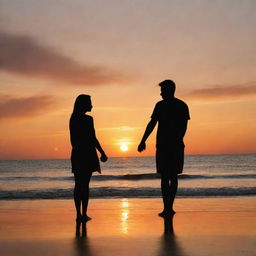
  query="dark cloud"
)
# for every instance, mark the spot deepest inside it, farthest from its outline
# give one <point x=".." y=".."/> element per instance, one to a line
<point x="13" y="107"/>
<point x="23" y="55"/>
<point x="224" y="92"/>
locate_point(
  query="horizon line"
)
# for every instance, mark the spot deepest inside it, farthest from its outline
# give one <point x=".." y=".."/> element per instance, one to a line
<point x="216" y="154"/>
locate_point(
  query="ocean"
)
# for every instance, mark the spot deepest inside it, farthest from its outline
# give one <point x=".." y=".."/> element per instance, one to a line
<point x="133" y="177"/>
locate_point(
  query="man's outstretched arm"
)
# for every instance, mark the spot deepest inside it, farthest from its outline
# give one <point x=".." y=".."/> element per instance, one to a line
<point x="150" y="127"/>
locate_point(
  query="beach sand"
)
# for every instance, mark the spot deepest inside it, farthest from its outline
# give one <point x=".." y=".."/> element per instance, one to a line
<point x="201" y="226"/>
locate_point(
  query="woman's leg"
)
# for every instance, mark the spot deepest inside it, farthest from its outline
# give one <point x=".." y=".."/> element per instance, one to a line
<point x="85" y="194"/>
<point x="77" y="196"/>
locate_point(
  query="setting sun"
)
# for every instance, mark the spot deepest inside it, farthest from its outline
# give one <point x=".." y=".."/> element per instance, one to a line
<point x="124" y="147"/>
<point x="123" y="86"/>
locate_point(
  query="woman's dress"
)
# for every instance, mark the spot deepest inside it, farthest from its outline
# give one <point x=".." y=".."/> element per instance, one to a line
<point x="84" y="157"/>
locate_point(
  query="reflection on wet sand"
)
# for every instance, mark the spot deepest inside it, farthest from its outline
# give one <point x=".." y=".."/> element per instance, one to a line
<point x="124" y="215"/>
<point x="165" y="244"/>
<point x="168" y="225"/>
<point x="168" y="244"/>
<point x="78" y="229"/>
<point x="82" y="245"/>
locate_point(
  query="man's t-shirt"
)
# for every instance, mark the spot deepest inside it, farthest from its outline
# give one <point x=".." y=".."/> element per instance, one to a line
<point x="172" y="116"/>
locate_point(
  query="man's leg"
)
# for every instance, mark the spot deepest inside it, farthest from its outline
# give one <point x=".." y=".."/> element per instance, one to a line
<point x="165" y="188"/>
<point x="173" y="191"/>
<point x="169" y="186"/>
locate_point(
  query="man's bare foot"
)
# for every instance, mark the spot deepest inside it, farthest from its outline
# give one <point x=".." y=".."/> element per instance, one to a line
<point x="166" y="213"/>
<point x="172" y="211"/>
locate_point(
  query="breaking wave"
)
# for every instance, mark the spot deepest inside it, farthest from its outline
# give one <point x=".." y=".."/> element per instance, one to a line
<point x="134" y="177"/>
<point x="107" y="192"/>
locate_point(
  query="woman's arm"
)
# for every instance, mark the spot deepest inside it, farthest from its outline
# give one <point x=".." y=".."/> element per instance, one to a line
<point x="103" y="157"/>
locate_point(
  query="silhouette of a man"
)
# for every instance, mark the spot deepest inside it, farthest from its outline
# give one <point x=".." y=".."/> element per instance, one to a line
<point x="172" y="116"/>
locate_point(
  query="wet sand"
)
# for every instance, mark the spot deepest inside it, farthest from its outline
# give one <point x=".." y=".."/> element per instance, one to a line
<point x="212" y="226"/>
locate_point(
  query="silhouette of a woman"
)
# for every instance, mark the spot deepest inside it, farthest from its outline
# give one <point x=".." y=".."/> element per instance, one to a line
<point x="84" y="159"/>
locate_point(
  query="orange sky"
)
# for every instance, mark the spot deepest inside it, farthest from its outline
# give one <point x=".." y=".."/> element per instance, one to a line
<point x="118" y="52"/>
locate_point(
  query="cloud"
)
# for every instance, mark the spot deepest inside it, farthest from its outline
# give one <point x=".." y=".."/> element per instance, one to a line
<point x="228" y="92"/>
<point x="24" y="56"/>
<point x="13" y="107"/>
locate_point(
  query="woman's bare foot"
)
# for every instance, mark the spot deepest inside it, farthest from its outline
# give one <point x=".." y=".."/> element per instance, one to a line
<point x="86" y="218"/>
<point x="78" y="218"/>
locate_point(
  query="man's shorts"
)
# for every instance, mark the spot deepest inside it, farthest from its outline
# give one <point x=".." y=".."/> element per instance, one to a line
<point x="170" y="160"/>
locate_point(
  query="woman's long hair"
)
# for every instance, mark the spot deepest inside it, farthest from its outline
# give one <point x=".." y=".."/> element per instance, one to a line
<point x="81" y="103"/>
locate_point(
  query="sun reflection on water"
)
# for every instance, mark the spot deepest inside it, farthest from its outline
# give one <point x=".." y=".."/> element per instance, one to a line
<point x="124" y="215"/>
